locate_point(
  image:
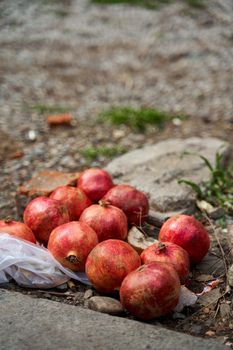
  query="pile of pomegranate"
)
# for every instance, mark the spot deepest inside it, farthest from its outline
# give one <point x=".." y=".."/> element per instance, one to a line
<point x="86" y="228"/>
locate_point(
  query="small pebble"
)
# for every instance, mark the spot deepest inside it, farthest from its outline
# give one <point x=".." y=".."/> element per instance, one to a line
<point x="177" y="121"/>
<point x="206" y="310"/>
<point x="228" y="343"/>
<point x="62" y="288"/>
<point x="32" y="135"/>
<point x="178" y="315"/>
<point x="88" y="294"/>
<point x="217" y="213"/>
<point x="117" y="134"/>
<point x="210" y="333"/>
<point x="105" y="305"/>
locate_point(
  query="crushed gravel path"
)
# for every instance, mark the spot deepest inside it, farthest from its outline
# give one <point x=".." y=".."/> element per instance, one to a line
<point x="86" y="58"/>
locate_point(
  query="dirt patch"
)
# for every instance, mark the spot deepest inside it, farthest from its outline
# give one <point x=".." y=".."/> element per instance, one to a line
<point x="9" y="148"/>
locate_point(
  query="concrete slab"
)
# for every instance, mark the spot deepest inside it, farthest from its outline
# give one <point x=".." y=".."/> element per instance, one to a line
<point x="156" y="170"/>
<point x="31" y="323"/>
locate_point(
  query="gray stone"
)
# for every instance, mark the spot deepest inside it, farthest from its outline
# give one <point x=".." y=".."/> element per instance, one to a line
<point x="178" y="316"/>
<point x="156" y="170"/>
<point x="157" y="219"/>
<point x="213" y="212"/>
<point x="217" y="213"/>
<point x="27" y="323"/>
<point x="63" y="287"/>
<point x="187" y="298"/>
<point x="229" y="344"/>
<point x="106" y="305"/>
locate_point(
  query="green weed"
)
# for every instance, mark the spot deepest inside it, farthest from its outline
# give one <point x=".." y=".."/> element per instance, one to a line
<point x="151" y="4"/>
<point x="61" y="13"/>
<point x="195" y="3"/>
<point x="222" y="222"/>
<point x="135" y="118"/>
<point x="92" y="153"/>
<point x="218" y="191"/>
<point x="43" y="108"/>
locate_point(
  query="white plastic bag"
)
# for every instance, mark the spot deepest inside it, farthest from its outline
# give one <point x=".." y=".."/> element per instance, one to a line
<point x="31" y="265"/>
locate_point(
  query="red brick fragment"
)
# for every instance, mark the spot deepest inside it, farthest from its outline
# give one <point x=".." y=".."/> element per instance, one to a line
<point x="42" y="184"/>
<point x="59" y="119"/>
<point x="17" y="154"/>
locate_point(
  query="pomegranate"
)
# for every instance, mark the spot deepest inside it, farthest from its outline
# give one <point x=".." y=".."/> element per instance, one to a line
<point x="108" y="264"/>
<point x="150" y="291"/>
<point x="43" y="214"/>
<point x="74" y="198"/>
<point x="133" y="202"/>
<point x="95" y="183"/>
<point x="188" y="233"/>
<point x="107" y="221"/>
<point x="71" y="243"/>
<point x="17" y="229"/>
<point x="168" y="253"/>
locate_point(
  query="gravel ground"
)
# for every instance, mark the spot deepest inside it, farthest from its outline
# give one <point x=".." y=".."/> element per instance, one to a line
<point x="85" y="58"/>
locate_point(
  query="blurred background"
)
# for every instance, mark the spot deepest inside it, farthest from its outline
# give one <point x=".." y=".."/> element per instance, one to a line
<point x="123" y="74"/>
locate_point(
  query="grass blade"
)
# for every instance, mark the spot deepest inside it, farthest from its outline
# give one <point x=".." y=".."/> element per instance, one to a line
<point x="193" y="185"/>
<point x="207" y="162"/>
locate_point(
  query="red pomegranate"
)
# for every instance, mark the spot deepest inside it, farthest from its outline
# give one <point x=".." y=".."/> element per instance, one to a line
<point x="188" y="233"/>
<point x="95" y="183"/>
<point x="43" y="214"/>
<point x="107" y="221"/>
<point x="150" y="291"/>
<point x="108" y="264"/>
<point x="71" y="243"/>
<point x="74" y="198"/>
<point x="133" y="202"/>
<point x="168" y="253"/>
<point x="17" y="229"/>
